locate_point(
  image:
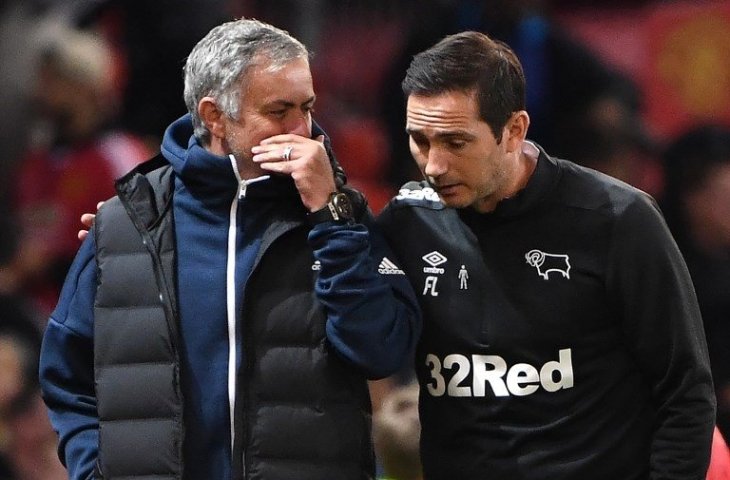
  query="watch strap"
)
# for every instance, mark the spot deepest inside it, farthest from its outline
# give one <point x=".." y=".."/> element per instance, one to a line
<point x="330" y="212"/>
<point x="324" y="214"/>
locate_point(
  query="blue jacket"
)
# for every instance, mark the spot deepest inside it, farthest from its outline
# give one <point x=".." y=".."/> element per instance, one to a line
<point x="372" y="318"/>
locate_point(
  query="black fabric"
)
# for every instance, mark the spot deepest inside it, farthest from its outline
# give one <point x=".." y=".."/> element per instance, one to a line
<point x="136" y="365"/>
<point x="612" y="306"/>
<point x="301" y="411"/>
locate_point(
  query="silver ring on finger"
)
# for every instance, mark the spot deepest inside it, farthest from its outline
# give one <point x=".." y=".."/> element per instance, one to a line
<point x="287" y="153"/>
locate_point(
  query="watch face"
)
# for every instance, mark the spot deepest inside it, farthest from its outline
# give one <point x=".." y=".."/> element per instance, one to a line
<point x="343" y="206"/>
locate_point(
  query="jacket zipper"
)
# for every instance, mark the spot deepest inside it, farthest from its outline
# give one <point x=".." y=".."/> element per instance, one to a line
<point x="231" y="298"/>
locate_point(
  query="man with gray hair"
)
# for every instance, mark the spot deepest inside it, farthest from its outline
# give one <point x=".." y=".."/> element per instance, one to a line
<point x="224" y="314"/>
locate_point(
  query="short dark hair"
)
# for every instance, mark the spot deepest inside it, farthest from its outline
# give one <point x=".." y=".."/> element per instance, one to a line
<point x="471" y="61"/>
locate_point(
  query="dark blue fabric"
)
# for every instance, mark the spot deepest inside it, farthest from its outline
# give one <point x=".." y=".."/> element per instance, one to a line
<point x="205" y="190"/>
<point x="67" y="366"/>
<point x="373" y="320"/>
<point x="359" y="302"/>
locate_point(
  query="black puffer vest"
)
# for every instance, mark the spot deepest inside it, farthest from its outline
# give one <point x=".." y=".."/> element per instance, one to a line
<point x="302" y="412"/>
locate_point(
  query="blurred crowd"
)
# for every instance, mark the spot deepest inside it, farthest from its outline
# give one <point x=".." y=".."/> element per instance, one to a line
<point x="88" y="86"/>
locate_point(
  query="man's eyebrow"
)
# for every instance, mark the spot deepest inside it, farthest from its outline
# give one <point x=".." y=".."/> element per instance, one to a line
<point x="288" y="104"/>
<point x="442" y="135"/>
<point x="456" y="133"/>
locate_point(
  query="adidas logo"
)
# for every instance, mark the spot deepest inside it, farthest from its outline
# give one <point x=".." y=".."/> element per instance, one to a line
<point x="387" y="267"/>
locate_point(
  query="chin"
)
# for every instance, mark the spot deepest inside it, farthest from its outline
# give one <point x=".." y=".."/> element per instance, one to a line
<point x="454" y="201"/>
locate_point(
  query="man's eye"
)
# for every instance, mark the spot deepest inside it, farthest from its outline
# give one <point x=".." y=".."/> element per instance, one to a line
<point x="457" y="144"/>
<point x="278" y="113"/>
<point x="421" y="142"/>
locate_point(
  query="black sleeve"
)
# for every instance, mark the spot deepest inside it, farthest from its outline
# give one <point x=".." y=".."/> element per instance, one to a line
<point x="650" y="286"/>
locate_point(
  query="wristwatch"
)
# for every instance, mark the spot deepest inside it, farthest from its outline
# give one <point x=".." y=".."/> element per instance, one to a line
<point x="337" y="209"/>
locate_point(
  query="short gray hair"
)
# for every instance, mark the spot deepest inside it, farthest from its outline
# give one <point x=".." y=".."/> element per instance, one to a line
<point x="218" y="63"/>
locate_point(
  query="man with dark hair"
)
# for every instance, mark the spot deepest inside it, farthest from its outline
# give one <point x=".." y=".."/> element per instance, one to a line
<point x="561" y="338"/>
<point x="224" y="314"/>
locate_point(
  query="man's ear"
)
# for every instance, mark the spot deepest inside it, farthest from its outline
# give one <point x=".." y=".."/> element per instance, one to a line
<point x="515" y="131"/>
<point x="212" y="117"/>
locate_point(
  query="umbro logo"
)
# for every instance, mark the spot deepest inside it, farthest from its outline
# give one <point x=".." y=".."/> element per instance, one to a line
<point x="387" y="267"/>
<point x="434" y="259"/>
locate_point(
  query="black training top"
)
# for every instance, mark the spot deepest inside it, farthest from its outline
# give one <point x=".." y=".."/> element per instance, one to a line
<point x="561" y="339"/>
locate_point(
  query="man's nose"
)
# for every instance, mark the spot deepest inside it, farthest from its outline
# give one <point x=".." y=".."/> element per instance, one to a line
<point x="436" y="164"/>
<point x="300" y="124"/>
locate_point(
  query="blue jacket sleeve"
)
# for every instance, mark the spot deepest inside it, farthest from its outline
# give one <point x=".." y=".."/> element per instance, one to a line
<point x="373" y="318"/>
<point x="67" y="367"/>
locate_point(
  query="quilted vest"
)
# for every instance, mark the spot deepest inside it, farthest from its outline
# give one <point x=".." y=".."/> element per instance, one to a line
<point x="302" y="412"/>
